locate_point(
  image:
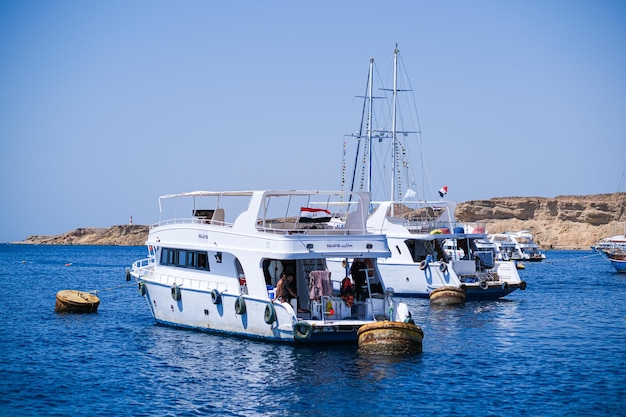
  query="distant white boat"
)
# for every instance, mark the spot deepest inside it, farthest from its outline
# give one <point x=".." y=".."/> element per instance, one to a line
<point x="613" y="242"/>
<point x="214" y="266"/>
<point x="613" y="249"/>
<point x="517" y="246"/>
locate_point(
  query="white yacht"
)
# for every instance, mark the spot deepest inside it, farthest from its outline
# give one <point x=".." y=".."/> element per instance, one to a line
<point x="213" y="262"/>
<point x="417" y="229"/>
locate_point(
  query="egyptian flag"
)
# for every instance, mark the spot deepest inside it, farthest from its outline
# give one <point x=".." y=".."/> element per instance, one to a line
<point x="443" y="191"/>
<point x="314" y="215"/>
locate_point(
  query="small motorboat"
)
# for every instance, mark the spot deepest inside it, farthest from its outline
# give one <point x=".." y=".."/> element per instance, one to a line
<point x="447" y="296"/>
<point x="390" y="338"/>
<point x="74" y="301"/>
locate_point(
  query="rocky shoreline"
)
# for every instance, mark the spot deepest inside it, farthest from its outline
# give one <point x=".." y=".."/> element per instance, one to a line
<point x="563" y="222"/>
<point x="122" y="235"/>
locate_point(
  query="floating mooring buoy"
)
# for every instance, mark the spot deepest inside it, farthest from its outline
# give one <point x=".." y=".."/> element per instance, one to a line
<point x="74" y="301"/>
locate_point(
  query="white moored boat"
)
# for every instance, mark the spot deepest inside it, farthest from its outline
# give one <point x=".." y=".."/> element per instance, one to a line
<point x="213" y="267"/>
<point x="418" y="230"/>
<point x="613" y="249"/>
<point x="518" y="246"/>
<point x="419" y="263"/>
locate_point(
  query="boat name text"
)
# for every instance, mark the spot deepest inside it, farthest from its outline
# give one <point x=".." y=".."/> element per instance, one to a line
<point x="338" y="245"/>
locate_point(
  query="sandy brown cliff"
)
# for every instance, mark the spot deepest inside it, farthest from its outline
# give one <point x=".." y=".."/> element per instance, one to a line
<point x="563" y="222"/>
<point x="124" y="235"/>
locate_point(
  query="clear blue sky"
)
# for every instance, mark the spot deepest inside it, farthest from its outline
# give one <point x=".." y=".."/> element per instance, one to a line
<point x="105" y="105"/>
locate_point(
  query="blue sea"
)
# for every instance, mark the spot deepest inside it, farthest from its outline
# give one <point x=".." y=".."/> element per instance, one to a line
<point x="558" y="348"/>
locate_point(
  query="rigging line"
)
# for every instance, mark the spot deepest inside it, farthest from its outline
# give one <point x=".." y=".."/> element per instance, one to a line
<point x="425" y="178"/>
<point x="363" y="112"/>
<point x="111" y="288"/>
<point x="621" y="181"/>
<point x="413" y="107"/>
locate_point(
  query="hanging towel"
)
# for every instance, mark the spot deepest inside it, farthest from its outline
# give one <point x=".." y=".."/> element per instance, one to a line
<point x="319" y="284"/>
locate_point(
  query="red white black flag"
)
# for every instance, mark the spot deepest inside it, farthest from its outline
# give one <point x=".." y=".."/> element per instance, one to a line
<point x="316" y="215"/>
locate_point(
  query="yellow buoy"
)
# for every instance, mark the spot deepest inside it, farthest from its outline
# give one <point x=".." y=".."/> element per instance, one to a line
<point x="74" y="301"/>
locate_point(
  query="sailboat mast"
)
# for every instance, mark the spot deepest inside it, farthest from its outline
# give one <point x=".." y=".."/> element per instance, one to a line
<point x="394" y="187"/>
<point x="369" y="123"/>
<point x="365" y="116"/>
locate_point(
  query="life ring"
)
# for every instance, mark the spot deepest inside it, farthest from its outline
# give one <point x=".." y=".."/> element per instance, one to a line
<point x="270" y="313"/>
<point x="240" y="305"/>
<point x="522" y="285"/>
<point x="302" y="330"/>
<point x="505" y="286"/>
<point x="443" y="267"/>
<point x="423" y="265"/>
<point x="216" y="297"/>
<point x="142" y="288"/>
<point x="175" y="292"/>
<point x="484" y="285"/>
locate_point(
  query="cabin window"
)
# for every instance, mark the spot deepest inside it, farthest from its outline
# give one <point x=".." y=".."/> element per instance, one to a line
<point x="202" y="261"/>
<point x="182" y="258"/>
<point x="168" y="256"/>
<point x="418" y="249"/>
<point x="192" y="259"/>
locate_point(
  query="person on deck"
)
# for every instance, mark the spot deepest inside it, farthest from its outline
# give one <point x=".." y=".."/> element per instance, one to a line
<point x="285" y="291"/>
<point x="358" y="270"/>
<point x="347" y="291"/>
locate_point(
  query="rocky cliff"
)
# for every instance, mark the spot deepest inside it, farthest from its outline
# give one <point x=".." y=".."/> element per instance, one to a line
<point x="124" y="235"/>
<point x="563" y="222"/>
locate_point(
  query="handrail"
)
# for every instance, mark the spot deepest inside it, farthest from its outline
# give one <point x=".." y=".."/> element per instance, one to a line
<point x="311" y="229"/>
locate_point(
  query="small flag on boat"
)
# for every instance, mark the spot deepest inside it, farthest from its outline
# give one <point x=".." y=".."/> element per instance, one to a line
<point x="443" y="191"/>
<point x="315" y="215"/>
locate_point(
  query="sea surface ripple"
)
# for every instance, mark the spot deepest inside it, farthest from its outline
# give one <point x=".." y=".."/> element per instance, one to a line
<point x="558" y="348"/>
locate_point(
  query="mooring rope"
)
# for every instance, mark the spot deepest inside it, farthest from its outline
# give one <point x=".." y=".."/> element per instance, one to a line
<point x="551" y="261"/>
<point x="112" y="288"/>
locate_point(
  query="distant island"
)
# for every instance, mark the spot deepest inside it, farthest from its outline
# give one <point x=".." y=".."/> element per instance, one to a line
<point x="563" y="222"/>
<point x="122" y="235"/>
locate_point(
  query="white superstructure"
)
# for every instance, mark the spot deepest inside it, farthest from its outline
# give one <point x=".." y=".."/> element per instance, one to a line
<point x="214" y="261"/>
